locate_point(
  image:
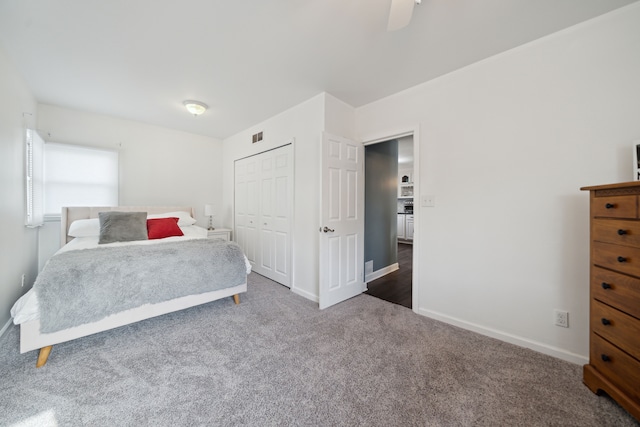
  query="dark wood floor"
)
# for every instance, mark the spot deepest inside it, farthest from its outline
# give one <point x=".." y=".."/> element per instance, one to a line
<point x="396" y="287"/>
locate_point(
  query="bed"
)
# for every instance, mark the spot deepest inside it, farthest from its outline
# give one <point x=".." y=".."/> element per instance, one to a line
<point x="28" y="314"/>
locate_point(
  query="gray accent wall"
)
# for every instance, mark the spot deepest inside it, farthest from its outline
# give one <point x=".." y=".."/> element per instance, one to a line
<point x="380" y="201"/>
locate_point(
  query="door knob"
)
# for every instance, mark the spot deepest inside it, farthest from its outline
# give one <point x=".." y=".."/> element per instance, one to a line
<point x="327" y="229"/>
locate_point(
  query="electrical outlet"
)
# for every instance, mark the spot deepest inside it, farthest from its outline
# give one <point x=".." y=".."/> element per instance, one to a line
<point x="22" y="283"/>
<point x="561" y="318"/>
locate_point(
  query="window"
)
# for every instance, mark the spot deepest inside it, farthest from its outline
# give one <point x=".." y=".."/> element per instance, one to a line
<point x="34" y="146"/>
<point x="79" y="176"/>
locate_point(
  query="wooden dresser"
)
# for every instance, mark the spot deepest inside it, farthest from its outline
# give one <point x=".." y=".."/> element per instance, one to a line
<point x="614" y="340"/>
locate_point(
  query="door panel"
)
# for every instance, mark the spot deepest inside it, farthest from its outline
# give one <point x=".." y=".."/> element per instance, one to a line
<point x="251" y="216"/>
<point x="263" y="209"/>
<point x="342" y="226"/>
<point x="264" y="257"/>
<point x="334" y="262"/>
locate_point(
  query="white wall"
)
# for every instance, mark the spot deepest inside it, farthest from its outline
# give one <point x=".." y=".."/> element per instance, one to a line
<point x="339" y="117"/>
<point x="158" y="166"/>
<point x="18" y="245"/>
<point x="302" y="124"/>
<point x="505" y="145"/>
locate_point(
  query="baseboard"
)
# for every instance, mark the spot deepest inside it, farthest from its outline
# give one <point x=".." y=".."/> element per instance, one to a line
<point x="511" y="339"/>
<point x="5" y="327"/>
<point x="306" y="294"/>
<point x="382" y="272"/>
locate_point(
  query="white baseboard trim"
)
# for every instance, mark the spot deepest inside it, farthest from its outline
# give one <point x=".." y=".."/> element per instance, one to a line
<point x="306" y="294"/>
<point x="503" y="336"/>
<point x="382" y="272"/>
<point x="5" y="327"/>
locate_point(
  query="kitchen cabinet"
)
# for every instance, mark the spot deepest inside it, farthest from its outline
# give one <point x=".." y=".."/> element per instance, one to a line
<point x="401" y="226"/>
<point x="408" y="227"/>
<point x="405" y="227"/>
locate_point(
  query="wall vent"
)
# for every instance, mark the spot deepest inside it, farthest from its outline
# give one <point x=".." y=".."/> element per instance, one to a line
<point x="257" y="137"/>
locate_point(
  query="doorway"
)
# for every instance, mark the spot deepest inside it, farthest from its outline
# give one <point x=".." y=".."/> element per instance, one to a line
<point x="396" y="287"/>
<point x="389" y="183"/>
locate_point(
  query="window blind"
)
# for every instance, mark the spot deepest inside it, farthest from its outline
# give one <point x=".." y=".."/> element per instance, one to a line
<point x="34" y="154"/>
<point x="79" y="176"/>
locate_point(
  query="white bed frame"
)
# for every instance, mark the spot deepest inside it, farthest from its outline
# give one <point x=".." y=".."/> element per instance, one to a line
<point x="32" y="339"/>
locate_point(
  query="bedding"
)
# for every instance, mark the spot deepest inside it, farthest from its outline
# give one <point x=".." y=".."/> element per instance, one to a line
<point x="161" y="228"/>
<point x="78" y="287"/>
<point x="118" y="226"/>
<point x="184" y="219"/>
<point x="180" y="278"/>
<point x="85" y="228"/>
<point x="26" y="308"/>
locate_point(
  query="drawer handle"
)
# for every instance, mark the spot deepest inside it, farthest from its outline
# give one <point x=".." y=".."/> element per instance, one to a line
<point x="622" y="232"/>
<point x="610" y="206"/>
<point x="606" y="321"/>
<point x="622" y="259"/>
<point x="605" y="358"/>
<point x="605" y="285"/>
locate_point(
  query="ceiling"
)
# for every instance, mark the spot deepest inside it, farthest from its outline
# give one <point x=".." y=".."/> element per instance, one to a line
<point x="249" y="60"/>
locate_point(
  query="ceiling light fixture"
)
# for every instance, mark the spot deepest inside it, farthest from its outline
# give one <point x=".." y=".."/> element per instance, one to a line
<point x="400" y="13"/>
<point x="195" y="107"/>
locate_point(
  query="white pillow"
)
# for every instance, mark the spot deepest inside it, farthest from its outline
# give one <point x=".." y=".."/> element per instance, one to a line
<point x="184" y="218"/>
<point x="85" y="228"/>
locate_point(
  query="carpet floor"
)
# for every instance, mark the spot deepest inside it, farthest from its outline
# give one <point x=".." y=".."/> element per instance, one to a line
<point x="276" y="360"/>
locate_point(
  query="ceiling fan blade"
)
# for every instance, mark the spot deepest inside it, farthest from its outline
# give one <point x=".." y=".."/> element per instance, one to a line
<point x="400" y="14"/>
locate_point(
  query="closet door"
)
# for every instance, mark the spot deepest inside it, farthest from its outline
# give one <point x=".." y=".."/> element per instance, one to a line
<point x="246" y="207"/>
<point x="263" y="206"/>
<point x="265" y="255"/>
<point x="281" y="220"/>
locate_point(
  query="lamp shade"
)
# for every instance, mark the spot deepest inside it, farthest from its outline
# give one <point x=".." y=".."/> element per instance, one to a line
<point x="208" y="210"/>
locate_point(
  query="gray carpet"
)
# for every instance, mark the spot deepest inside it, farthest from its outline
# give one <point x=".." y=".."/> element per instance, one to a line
<point x="277" y="360"/>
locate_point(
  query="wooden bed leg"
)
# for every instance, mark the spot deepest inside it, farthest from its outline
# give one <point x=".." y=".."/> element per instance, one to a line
<point x="236" y="298"/>
<point x="43" y="356"/>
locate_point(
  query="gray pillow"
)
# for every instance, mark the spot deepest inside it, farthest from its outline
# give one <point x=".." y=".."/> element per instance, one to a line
<point x="122" y="226"/>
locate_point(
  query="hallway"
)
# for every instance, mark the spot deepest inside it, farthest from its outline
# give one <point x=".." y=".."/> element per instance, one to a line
<point x="396" y="287"/>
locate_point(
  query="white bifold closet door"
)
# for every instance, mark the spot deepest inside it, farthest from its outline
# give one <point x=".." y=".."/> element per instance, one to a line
<point x="263" y="206"/>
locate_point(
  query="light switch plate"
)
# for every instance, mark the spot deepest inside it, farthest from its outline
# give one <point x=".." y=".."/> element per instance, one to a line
<point x="428" y="201"/>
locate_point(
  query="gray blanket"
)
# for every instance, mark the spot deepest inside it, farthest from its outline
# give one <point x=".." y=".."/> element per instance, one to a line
<point x="84" y="286"/>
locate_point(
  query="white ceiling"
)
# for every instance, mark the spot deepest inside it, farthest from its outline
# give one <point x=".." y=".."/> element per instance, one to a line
<point x="249" y="60"/>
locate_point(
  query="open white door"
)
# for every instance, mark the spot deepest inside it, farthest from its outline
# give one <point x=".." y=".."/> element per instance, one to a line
<point x="342" y="220"/>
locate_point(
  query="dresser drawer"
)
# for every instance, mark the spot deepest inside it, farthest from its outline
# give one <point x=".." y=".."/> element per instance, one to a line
<point x="616" y="231"/>
<point x="616" y="327"/>
<point x="620" y="258"/>
<point x="617" y="290"/>
<point x="615" y="206"/>
<point x="620" y="368"/>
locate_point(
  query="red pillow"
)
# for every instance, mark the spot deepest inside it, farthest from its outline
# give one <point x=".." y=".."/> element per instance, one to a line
<point x="160" y="228"/>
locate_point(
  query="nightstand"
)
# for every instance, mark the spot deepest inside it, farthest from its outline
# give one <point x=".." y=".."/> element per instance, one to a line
<point x="220" y="233"/>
